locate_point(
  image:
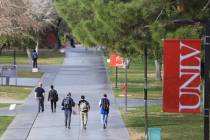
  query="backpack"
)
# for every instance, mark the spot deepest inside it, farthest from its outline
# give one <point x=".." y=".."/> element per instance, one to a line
<point x="84" y="106"/>
<point x="68" y="103"/>
<point x="105" y="104"/>
<point x="53" y="95"/>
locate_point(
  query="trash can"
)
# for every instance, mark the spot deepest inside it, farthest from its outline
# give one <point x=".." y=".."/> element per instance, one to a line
<point x="154" y="133"/>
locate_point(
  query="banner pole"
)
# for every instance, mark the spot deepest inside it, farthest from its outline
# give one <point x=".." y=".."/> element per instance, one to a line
<point x="126" y="85"/>
<point x="145" y="94"/>
<point x="116" y="78"/>
<point x="207" y="81"/>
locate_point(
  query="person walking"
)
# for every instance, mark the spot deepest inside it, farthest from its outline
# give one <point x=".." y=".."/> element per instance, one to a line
<point x="53" y="98"/>
<point x="39" y="96"/>
<point x="34" y="57"/>
<point x="84" y="107"/>
<point x="104" y="104"/>
<point x="67" y="105"/>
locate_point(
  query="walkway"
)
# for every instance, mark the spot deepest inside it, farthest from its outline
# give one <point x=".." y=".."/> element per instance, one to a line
<point x="82" y="73"/>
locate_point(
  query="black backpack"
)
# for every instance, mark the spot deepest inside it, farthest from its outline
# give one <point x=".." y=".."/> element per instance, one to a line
<point x="53" y="95"/>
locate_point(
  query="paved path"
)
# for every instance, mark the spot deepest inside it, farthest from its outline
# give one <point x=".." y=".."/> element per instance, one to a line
<point x="137" y="102"/>
<point x="82" y="73"/>
<point x="21" y="81"/>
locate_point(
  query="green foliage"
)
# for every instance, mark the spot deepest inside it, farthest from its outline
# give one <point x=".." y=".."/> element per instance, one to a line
<point x="128" y="26"/>
<point x="186" y="32"/>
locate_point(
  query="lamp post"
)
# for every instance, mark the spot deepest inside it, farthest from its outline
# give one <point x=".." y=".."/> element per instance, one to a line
<point x="14" y="55"/>
<point x="126" y="85"/>
<point x="116" y="77"/>
<point x="206" y="24"/>
<point x="145" y="95"/>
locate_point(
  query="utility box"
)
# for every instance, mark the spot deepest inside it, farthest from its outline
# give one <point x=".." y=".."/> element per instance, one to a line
<point x="154" y="133"/>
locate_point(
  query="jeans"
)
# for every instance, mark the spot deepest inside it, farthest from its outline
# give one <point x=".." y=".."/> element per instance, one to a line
<point x="83" y="119"/>
<point x="53" y="105"/>
<point x="67" y="113"/>
<point x="104" y="119"/>
<point x="40" y="104"/>
<point x="35" y="63"/>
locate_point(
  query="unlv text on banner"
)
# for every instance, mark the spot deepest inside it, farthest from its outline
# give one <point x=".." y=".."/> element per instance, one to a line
<point x="182" y="76"/>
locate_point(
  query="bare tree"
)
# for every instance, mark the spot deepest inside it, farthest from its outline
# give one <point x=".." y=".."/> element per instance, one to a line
<point x="22" y="15"/>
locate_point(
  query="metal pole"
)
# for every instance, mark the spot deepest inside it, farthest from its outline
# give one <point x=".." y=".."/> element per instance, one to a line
<point x="14" y="57"/>
<point x="207" y="81"/>
<point x="126" y="87"/>
<point x="116" y="79"/>
<point x="145" y="94"/>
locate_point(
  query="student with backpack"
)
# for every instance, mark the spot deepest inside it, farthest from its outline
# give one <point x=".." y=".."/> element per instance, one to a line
<point x="34" y="57"/>
<point x="84" y="107"/>
<point x="67" y="105"/>
<point x="104" y="104"/>
<point x="53" y="98"/>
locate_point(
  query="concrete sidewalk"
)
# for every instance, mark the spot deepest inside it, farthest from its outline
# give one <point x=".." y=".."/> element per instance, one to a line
<point x="84" y="73"/>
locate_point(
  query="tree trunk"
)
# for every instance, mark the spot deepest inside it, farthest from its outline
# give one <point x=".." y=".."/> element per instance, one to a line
<point x="158" y="70"/>
<point x="29" y="55"/>
<point x="129" y="62"/>
<point x="37" y="46"/>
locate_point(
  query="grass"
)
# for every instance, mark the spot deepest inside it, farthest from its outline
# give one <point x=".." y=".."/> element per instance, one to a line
<point x="173" y="126"/>
<point x="136" y="81"/>
<point x="14" y="93"/>
<point x="3" y="105"/>
<point x="45" y="57"/>
<point x="29" y="74"/>
<point x="4" y="121"/>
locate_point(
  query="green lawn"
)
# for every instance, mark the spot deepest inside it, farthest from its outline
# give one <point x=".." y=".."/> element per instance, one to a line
<point x="45" y="57"/>
<point x="3" y="105"/>
<point x="174" y="126"/>
<point x="15" y="93"/>
<point x="136" y="81"/>
<point x="4" y="121"/>
<point x="29" y="74"/>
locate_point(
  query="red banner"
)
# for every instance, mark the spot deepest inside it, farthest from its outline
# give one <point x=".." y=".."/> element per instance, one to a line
<point x="115" y="60"/>
<point x="181" y="83"/>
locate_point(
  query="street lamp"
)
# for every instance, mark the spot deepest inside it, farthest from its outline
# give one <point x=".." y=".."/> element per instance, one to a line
<point x="145" y="94"/>
<point x="206" y="24"/>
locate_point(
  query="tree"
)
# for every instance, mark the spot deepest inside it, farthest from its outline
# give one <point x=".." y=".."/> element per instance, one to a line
<point x="127" y="26"/>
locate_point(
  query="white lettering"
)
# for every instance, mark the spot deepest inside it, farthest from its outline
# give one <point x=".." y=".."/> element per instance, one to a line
<point x="194" y="76"/>
<point x="190" y="54"/>
<point x="195" y="106"/>
<point x="192" y="72"/>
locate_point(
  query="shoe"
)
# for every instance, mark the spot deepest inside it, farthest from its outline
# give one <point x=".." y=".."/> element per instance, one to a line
<point x="69" y="127"/>
<point x="104" y="126"/>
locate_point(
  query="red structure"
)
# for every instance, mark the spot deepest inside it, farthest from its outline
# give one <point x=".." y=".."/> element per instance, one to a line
<point x="182" y="80"/>
<point x="115" y="60"/>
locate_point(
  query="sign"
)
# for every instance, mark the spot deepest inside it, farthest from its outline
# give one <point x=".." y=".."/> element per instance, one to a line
<point x="181" y="82"/>
<point x="8" y="71"/>
<point x="115" y="60"/>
